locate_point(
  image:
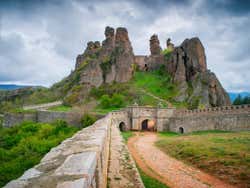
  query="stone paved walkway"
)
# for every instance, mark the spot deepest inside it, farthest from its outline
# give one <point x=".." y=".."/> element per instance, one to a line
<point x="122" y="172"/>
<point x="166" y="169"/>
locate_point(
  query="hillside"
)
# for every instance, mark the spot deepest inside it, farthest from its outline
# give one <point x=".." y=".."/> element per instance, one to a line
<point x="114" y="62"/>
<point x="175" y="76"/>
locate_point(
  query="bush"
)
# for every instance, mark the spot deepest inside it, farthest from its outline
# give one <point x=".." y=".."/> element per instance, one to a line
<point x="87" y="120"/>
<point x="116" y="101"/>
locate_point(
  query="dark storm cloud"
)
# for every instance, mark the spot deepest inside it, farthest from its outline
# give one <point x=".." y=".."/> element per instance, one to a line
<point x="39" y="39"/>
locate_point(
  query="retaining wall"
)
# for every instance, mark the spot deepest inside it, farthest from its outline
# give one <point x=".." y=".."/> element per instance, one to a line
<point x="45" y="116"/>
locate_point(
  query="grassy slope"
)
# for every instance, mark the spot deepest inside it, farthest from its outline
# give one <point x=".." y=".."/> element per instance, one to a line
<point x="23" y="146"/>
<point x="61" y="108"/>
<point x="223" y="154"/>
<point x="148" y="181"/>
<point x="136" y="91"/>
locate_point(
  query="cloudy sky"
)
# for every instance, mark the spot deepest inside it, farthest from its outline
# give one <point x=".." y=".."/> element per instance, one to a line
<point x="40" y="39"/>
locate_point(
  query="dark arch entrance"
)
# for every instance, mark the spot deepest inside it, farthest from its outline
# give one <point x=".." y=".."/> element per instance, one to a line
<point x="144" y="125"/>
<point x="148" y="125"/>
<point x="122" y="126"/>
<point x="181" y="130"/>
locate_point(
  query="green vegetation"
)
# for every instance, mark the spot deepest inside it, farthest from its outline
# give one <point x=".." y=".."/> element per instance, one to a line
<point x="126" y="135"/>
<point x="61" y="108"/>
<point x="223" y="154"/>
<point x="115" y="101"/>
<point x="150" y="182"/>
<point x="241" y="100"/>
<point x="146" y="88"/>
<point x="87" y="120"/>
<point x="167" y="53"/>
<point x="23" y="146"/>
<point x="27" y="97"/>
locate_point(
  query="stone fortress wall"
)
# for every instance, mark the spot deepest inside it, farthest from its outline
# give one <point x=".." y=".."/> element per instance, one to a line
<point x="228" y="118"/>
<point x="81" y="161"/>
<point x="44" y="116"/>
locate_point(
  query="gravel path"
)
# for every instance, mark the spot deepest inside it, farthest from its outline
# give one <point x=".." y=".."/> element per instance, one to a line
<point x="166" y="169"/>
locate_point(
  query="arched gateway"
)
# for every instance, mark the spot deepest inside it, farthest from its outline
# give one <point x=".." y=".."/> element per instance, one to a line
<point x="148" y="125"/>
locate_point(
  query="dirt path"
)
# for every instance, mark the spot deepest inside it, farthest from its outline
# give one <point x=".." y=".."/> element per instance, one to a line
<point x="166" y="169"/>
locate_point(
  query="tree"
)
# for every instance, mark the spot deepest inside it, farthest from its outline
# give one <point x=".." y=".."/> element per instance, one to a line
<point x="237" y="100"/>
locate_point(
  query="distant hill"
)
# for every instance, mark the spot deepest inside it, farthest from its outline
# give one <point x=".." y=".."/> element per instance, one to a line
<point x="11" y="86"/>
<point x="233" y="95"/>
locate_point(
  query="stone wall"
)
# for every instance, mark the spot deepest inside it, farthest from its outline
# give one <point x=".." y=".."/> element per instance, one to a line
<point x="45" y="116"/>
<point x="72" y="118"/>
<point x="12" y="119"/>
<point x="228" y="118"/>
<point x="81" y="161"/>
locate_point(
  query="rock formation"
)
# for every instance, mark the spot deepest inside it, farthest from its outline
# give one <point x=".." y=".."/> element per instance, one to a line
<point x="155" y="48"/>
<point x="113" y="62"/>
<point x="170" y="45"/>
<point x="106" y="63"/>
<point x="188" y="68"/>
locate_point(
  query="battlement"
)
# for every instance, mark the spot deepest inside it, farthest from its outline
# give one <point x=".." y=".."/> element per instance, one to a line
<point x="236" y="109"/>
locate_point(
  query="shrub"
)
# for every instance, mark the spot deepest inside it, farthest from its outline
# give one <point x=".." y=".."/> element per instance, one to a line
<point x="105" y="101"/>
<point x="117" y="101"/>
<point x="167" y="53"/>
<point x="87" y="120"/>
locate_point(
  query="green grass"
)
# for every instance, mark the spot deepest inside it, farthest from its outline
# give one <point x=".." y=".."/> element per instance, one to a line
<point x="23" y="146"/>
<point x="61" y="108"/>
<point x="136" y="90"/>
<point x="150" y="182"/>
<point x="223" y="154"/>
<point x="21" y="110"/>
<point x="155" y="83"/>
<point x="126" y="135"/>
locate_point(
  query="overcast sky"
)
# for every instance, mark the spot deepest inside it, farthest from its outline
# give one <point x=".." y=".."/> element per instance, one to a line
<point x="39" y="39"/>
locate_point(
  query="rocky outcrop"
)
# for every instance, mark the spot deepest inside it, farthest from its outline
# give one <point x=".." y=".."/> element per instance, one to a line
<point x="170" y="45"/>
<point x="123" y="56"/>
<point x="155" y="47"/>
<point x="196" y="84"/>
<point x="113" y="61"/>
<point x="106" y="63"/>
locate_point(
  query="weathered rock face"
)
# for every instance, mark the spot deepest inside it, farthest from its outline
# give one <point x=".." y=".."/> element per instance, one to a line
<point x="123" y="56"/>
<point x="170" y="45"/>
<point x="155" y="48"/>
<point x="188" y="65"/>
<point x="104" y="64"/>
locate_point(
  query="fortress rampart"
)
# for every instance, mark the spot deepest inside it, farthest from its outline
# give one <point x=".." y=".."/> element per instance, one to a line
<point x="163" y="119"/>
<point x="81" y="161"/>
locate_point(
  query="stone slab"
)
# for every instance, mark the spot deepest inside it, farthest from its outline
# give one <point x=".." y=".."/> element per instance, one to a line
<point x="79" y="183"/>
<point x="78" y="164"/>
